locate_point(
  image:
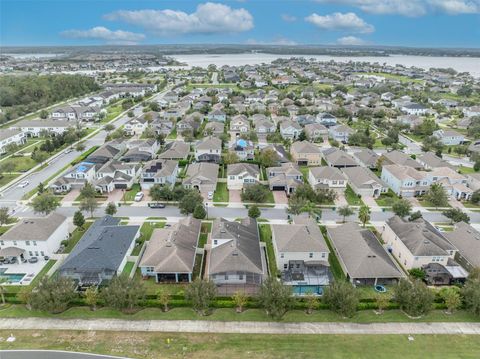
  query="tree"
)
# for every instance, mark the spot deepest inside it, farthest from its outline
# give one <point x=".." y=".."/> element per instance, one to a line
<point x="296" y="205"/>
<point x="4" y="216"/>
<point x="123" y="293"/>
<point x="163" y="298"/>
<point x="255" y="193"/>
<point x="199" y="212"/>
<point x="382" y="301"/>
<point x="190" y="201"/>
<point x="275" y="297"/>
<point x="78" y="219"/>
<point x="40" y="188"/>
<point x="111" y="209"/>
<point x="91" y="297"/>
<point x="80" y="147"/>
<point x="437" y="196"/>
<point x="413" y="297"/>
<point x="7" y="167"/>
<point x="158" y="193"/>
<point x="43" y="114"/>
<point x="417" y="273"/>
<point x="88" y="191"/>
<point x="25" y="296"/>
<point x="230" y="158"/>
<point x="89" y="204"/>
<point x="201" y="293"/>
<point x="311" y="302"/>
<point x="240" y="299"/>
<point x="45" y="203"/>
<point x="254" y="211"/>
<point x="345" y="211"/>
<point x="414" y="216"/>
<point x="342" y="298"/>
<point x="268" y="158"/>
<point x="471" y="293"/>
<point x="40" y="156"/>
<point x="2" y="289"/>
<point x="364" y="214"/>
<point x="302" y="136"/>
<point x="402" y="207"/>
<point x="109" y="128"/>
<point x="451" y="298"/>
<point x="53" y="294"/>
<point x="456" y="215"/>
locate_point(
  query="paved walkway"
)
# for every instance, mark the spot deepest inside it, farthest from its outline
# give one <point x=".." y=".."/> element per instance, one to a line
<point x="199" y="326"/>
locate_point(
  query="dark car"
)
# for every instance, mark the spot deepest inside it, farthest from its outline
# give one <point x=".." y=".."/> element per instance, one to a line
<point x="156" y="205"/>
<point x="33" y="260"/>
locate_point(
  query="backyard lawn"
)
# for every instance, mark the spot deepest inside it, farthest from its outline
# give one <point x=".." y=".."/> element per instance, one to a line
<point x="266" y="237"/>
<point x="352" y="198"/>
<point x="128" y="268"/>
<point x="335" y="267"/>
<point x="221" y="193"/>
<point x="206" y="229"/>
<point x="153" y="287"/>
<point x="143" y="345"/>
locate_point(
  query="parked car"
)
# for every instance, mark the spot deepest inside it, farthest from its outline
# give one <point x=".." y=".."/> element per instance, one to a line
<point x="32" y="260"/>
<point x="23" y="184"/>
<point x="138" y="197"/>
<point x="210" y="195"/>
<point x="156" y="205"/>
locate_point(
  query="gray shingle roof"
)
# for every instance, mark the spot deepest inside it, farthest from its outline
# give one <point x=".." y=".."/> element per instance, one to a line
<point x="34" y="229"/>
<point x="467" y="240"/>
<point x="299" y="237"/>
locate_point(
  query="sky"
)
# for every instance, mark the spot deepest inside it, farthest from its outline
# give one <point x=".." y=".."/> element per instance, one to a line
<point x="415" y="23"/>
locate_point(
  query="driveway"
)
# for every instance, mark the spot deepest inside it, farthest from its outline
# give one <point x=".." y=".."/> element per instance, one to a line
<point x="455" y="204"/>
<point x="369" y="201"/>
<point x="280" y="197"/>
<point x="115" y="196"/>
<point x="341" y="200"/>
<point x="234" y="196"/>
<point x="71" y="196"/>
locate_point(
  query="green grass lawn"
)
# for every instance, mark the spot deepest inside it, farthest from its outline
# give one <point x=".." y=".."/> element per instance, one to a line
<point x="424" y="203"/>
<point x="145" y="233"/>
<point x="21" y="163"/>
<point x="5" y="179"/>
<point x="173" y="134"/>
<point x="205" y="230"/>
<point x="221" y="193"/>
<point x="352" y="198"/>
<point x="387" y="199"/>
<point x="305" y="170"/>
<point x="152" y="288"/>
<point x="76" y="235"/>
<point x="129" y="195"/>
<point x="266" y="236"/>
<point x="466" y="170"/>
<point x="149" y="345"/>
<point x="128" y="268"/>
<point x="335" y="267"/>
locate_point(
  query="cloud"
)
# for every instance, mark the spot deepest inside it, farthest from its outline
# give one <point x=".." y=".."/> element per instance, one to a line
<point x="208" y="18"/>
<point x="411" y="8"/>
<point x="288" y="18"/>
<point x="102" y="33"/>
<point x="278" y="41"/>
<point x="351" y="40"/>
<point x="349" y="22"/>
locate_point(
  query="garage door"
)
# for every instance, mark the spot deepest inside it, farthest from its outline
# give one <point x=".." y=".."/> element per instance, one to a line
<point x="278" y="188"/>
<point x="121" y="186"/>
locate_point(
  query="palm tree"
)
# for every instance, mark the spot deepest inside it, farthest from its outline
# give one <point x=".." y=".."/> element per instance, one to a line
<point x="364" y="214"/>
<point x="345" y="211"/>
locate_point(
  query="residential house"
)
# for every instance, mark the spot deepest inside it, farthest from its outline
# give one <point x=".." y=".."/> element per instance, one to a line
<point x="338" y="158"/>
<point x="76" y="177"/>
<point x="340" y="133"/>
<point x="9" y="137"/>
<point x="326" y="177"/>
<point x="35" y="128"/>
<point x="305" y="153"/>
<point x="214" y="128"/>
<point x="217" y="115"/>
<point x="367" y="158"/>
<point x="364" y="182"/>
<point x="240" y="124"/>
<point x="116" y="175"/>
<point x="34" y="237"/>
<point x="265" y="126"/>
<point x="473" y="181"/>
<point x="201" y="176"/>
<point x="109" y="151"/>
<point x="449" y="137"/>
<point x="316" y="131"/>
<point x="430" y="160"/>
<point x="290" y="130"/>
<point x="286" y="177"/>
<point x="161" y="172"/>
<point x="101" y="254"/>
<point x="244" y="149"/>
<point x="136" y="126"/>
<point x="405" y="181"/>
<point x="141" y="150"/>
<point x="209" y="150"/>
<point x="326" y="119"/>
<point x="170" y="253"/>
<point x="281" y="154"/>
<point x="241" y="174"/>
<point x="414" y="109"/>
<point x="236" y="261"/>
<point x="471" y="111"/>
<point x="466" y="240"/>
<point x="176" y="150"/>
<point x="362" y="257"/>
<point x="399" y="158"/>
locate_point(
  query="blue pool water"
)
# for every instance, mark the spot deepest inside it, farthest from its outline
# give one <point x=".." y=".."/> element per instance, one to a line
<point x="12" y="277"/>
<point x="307" y="289"/>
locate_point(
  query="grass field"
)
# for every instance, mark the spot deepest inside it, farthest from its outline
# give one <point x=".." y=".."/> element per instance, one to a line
<point x="266" y="236"/>
<point x="174" y="345"/>
<point x="21" y="163"/>
<point x="130" y="194"/>
<point x="352" y="198"/>
<point x="221" y="193"/>
<point x="5" y="179"/>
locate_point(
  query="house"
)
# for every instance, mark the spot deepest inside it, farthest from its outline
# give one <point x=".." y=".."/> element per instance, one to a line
<point x="242" y="174"/>
<point x="35" y="128"/>
<point x="9" y="137"/>
<point x="340" y="133"/>
<point x="286" y="177"/>
<point x="101" y="254"/>
<point x="214" y="128"/>
<point x="176" y="150"/>
<point x="471" y="111"/>
<point x="281" y="154"/>
<point x="217" y="115"/>
<point x="290" y="130"/>
<point x="405" y="181"/>
<point x="305" y="153"/>
<point x="473" y="181"/>
<point x="141" y="150"/>
<point x="302" y="255"/>
<point x="136" y="126"/>
<point x="115" y="175"/>
<point x="316" y="131"/>
<point x="201" y="176"/>
<point x="34" y="237"/>
<point x="362" y="257"/>
<point x="449" y="137"/>
<point x="265" y="126"/>
<point x="430" y="160"/>
<point x="466" y="240"/>
<point x="109" y="151"/>
<point x="338" y="158"/>
<point x="399" y="158"/>
<point x="76" y="177"/>
<point x="170" y="253"/>
<point x="162" y="126"/>
<point x="75" y="112"/>
<point x="416" y="244"/>
<point x="326" y="119"/>
<point x="326" y="177"/>
<point x="414" y="109"/>
<point x="239" y="124"/>
<point x="364" y="182"/>
<point x="454" y="183"/>
<point x="161" y="172"/>
<point x="367" y="158"/>
<point x="236" y="261"/>
<point x="209" y="150"/>
<point x="244" y="149"/>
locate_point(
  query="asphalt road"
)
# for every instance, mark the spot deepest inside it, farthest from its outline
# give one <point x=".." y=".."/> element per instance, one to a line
<point x="48" y="354"/>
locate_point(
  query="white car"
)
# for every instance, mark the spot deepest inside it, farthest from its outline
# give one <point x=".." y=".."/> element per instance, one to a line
<point x="138" y="197"/>
<point x="210" y="195"/>
<point x="23" y="184"/>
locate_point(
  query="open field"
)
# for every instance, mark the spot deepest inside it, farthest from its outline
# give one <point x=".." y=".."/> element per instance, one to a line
<point x="172" y="345"/>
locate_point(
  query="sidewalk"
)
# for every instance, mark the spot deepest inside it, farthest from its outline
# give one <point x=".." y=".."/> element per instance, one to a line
<point x="200" y="326"/>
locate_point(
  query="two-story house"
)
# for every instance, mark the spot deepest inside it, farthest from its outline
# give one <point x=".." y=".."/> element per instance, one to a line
<point x="240" y="175"/>
<point x="209" y="150"/>
<point x="305" y="153"/>
<point x="326" y="177"/>
<point x="286" y="177"/>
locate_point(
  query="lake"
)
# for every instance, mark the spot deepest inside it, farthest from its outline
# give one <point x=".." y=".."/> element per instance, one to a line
<point x="460" y="64"/>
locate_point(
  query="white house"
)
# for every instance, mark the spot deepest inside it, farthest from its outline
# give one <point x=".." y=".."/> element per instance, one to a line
<point x="11" y="136"/>
<point x="340" y="133"/>
<point x="239" y="124"/>
<point x="449" y="137"/>
<point x="135" y="126"/>
<point x="34" y="128"/>
<point x="161" y="172"/>
<point x="405" y="181"/>
<point x="241" y="174"/>
<point x="290" y="130"/>
<point x="34" y="237"/>
<point x="326" y="177"/>
<point x="414" y="109"/>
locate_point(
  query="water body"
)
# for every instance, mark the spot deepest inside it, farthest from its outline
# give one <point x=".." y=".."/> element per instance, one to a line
<point x="33" y="56"/>
<point x="460" y="64"/>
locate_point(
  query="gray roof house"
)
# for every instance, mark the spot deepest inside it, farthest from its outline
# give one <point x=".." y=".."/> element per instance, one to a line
<point x="467" y="240"/>
<point x="326" y="177"/>
<point x="101" y="253"/>
<point x="161" y="172"/>
<point x="430" y="161"/>
<point x="338" y="158"/>
<point x="362" y="257"/>
<point x="396" y="157"/>
<point x="209" y="150"/>
<point x="176" y="150"/>
<point x="367" y="158"/>
<point x="236" y="260"/>
<point x="170" y="253"/>
<point x="286" y="177"/>
<point x="202" y="176"/>
<point x="364" y="182"/>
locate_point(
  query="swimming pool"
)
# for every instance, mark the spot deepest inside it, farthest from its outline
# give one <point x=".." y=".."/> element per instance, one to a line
<point x="11" y="277"/>
<point x="307" y="289"/>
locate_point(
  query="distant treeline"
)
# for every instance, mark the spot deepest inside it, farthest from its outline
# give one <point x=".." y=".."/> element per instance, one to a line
<point x="20" y="95"/>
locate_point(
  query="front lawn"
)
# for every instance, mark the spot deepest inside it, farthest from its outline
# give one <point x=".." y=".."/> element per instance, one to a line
<point x="129" y="195"/>
<point x="145" y="233"/>
<point x="221" y="193"/>
<point x="352" y="198"/>
<point x="387" y="199"/>
<point x="424" y="203"/>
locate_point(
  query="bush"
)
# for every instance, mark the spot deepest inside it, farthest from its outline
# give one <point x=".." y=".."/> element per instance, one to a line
<point x="414" y="297"/>
<point x="342" y="298"/>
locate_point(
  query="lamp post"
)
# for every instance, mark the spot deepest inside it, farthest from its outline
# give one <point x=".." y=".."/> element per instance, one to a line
<point x="206" y="208"/>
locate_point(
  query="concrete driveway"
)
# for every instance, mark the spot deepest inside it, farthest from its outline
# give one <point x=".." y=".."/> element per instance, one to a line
<point x="235" y="195"/>
<point x="369" y="201"/>
<point x="115" y="196"/>
<point x="341" y="200"/>
<point x="71" y="196"/>
<point x="280" y="197"/>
